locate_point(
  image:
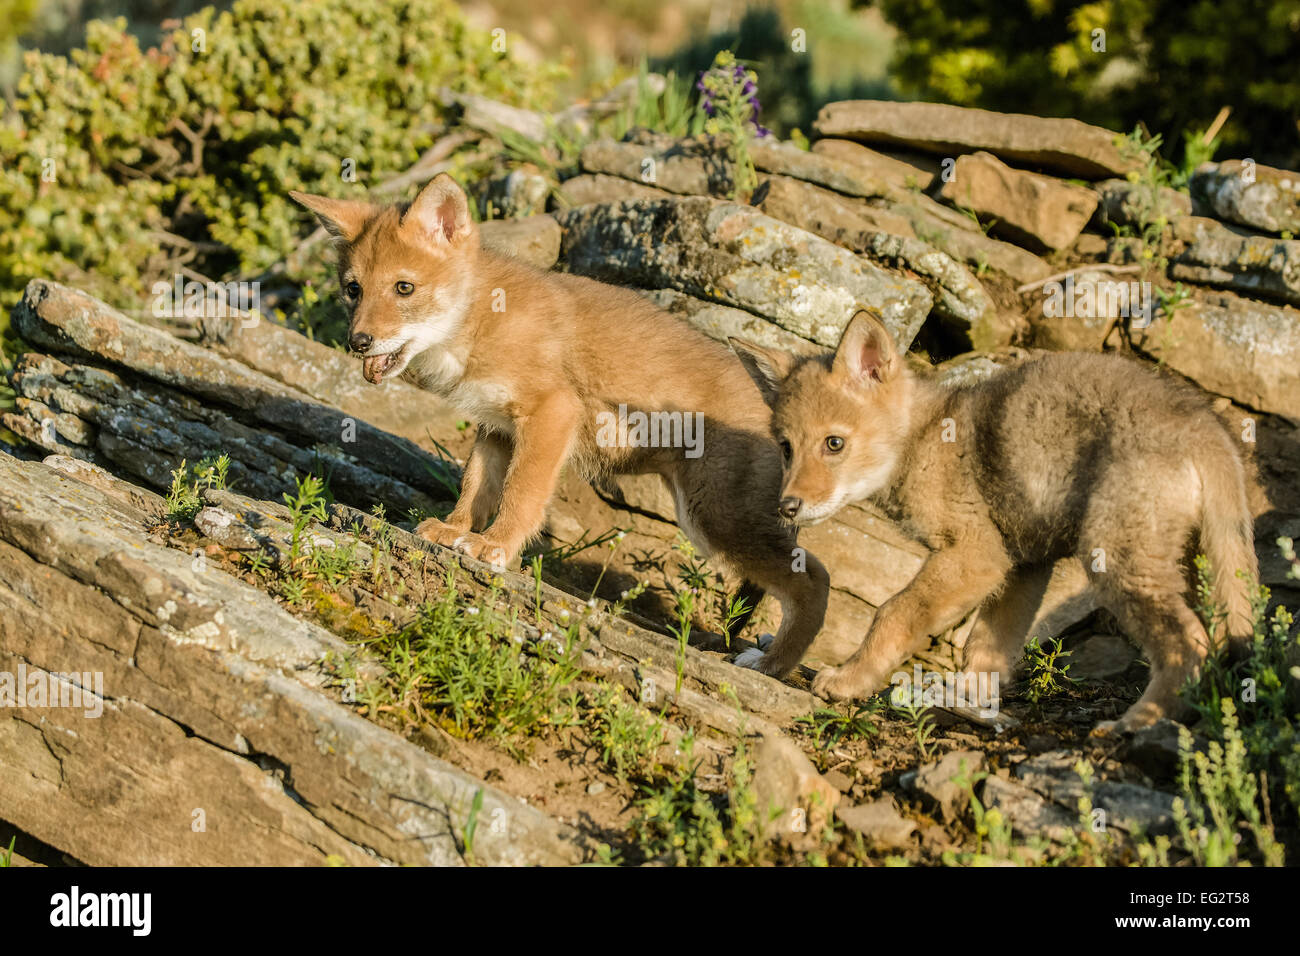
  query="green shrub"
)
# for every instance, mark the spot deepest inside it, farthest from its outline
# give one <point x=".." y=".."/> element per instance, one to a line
<point x="122" y="165"/>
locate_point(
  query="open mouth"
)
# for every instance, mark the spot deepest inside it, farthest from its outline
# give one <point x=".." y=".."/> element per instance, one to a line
<point x="376" y="366"/>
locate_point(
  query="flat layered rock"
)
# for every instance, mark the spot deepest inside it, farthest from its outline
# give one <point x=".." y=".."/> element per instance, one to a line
<point x="1063" y="146"/>
<point x="1234" y="346"/>
<point x="902" y="174"/>
<point x="1254" y="265"/>
<point x="1035" y="211"/>
<point x="207" y="738"/>
<point x="1258" y="196"/>
<point x="69" y="322"/>
<point x="958" y="295"/>
<point x="599" y="187"/>
<point x="957" y="235"/>
<point x="737" y="256"/>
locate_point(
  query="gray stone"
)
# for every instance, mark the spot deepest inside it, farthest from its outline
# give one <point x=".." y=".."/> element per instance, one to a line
<point x="1231" y="346"/>
<point x="938" y="781"/>
<point x="1155" y="749"/>
<point x="1127" y="806"/>
<point x="1064" y="146"/>
<point x="206" y="682"/>
<point x="880" y="822"/>
<point x="1100" y="656"/>
<point x="1029" y="814"/>
<point x="599" y="187"/>
<point x="958" y="236"/>
<point x="958" y="295"/>
<point x="722" y="322"/>
<point x="1250" y="194"/>
<point x="1254" y="265"/>
<point x="737" y="256"/>
<point x="1136" y="205"/>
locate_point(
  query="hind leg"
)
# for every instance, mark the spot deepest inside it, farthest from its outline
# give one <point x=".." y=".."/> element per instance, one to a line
<point x="1145" y="590"/>
<point x="1039" y="601"/>
<point x="726" y="504"/>
<point x="802" y="585"/>
<point x="1173" y="640"/>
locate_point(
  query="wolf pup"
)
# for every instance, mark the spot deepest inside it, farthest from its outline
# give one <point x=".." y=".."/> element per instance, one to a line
<point x="1068" y="483"/>
<point x="562" y="370"/>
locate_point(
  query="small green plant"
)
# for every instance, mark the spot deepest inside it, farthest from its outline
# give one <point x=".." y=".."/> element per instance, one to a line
<point x="921" y="721"/>
<point x="681" y="824"/>
<point x="627" y="737"/>
<point x="1044" y="676"/>
<point x="668" y="111"/>
<point x="471" y="827"/>
<point x="993" y="843"/>
<point x="467" y="669"/>
<point x="183" y="497"/>
<point x="306" y="505"/>
<point x="828" y="727"/>
<point x="729" y="101"/>
<point x="7" y="856"/>
<point x="1220" y="800"/>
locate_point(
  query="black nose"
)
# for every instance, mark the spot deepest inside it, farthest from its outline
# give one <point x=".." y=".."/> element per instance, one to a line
<point x="789" y="507"/>
<point x="361" y="342"/>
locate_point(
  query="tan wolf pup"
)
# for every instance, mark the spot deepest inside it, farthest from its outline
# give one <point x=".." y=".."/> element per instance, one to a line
<point x="1071" y="482"/>
<point x="562" y="370"/>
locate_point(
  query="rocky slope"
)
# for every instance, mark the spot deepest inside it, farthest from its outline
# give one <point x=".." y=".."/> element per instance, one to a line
<point x="228" y="730"/>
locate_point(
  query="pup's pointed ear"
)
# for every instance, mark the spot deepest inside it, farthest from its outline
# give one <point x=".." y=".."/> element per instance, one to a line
<point x="342" y="218"/>
<point x="767" y="367"/>
<point x="866" y="351"/>
<point x="440" y="211"/>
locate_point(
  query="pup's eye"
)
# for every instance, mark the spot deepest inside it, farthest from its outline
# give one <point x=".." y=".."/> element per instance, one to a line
<point x="834" y="444"/>
<point x="352" y="290"/>
<point x="404" y="288"/>
<point x="787" y="451"/>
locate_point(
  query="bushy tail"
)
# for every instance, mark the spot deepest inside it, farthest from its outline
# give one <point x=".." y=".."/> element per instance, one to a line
<point x="1228" y="537"/>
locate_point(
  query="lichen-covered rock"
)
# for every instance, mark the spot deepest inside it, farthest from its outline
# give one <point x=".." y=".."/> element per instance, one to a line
<point x="1137" y="204"/>
<point x="1250" y="194"/>
<point x="958" y="295"/>
<point x="735" y="255"/>
<point x="1255" y="265"/>
<point x="1233" y="346"/>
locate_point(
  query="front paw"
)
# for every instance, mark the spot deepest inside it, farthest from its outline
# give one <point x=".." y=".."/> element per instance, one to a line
<point x="751" y="658"/>
<point x="483" y="549"/>
<point x="439" y="532"/>
<point x="839" y="683"/>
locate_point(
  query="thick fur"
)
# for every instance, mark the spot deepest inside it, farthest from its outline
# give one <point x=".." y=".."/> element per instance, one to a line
<point x="1071" y="482"/>
<point x="536" y="357"/>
